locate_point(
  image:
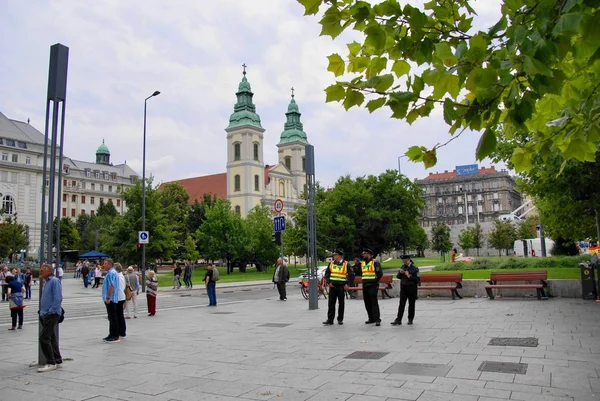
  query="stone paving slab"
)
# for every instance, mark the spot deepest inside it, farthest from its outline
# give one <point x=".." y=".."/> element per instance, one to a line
<point x="194" y="353"/>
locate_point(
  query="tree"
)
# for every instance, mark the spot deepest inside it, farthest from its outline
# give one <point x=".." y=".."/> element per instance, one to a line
<point x="106" y="209"/>
<point x="478" y="237"/>
<point x="69" y="237"/>
<point x="175" y="211"/>
<point x="527" y="228"/>
<point x="88" y="227"/>
<point x="534" y="71"/>
<point x="502" y="236"/>
<point x="13" y="238"/>
<point x="420" y="242"/>
<point x="259" y="226"/>
<point x="189" y="250"/>
<point x="465" y="239"/>
<point x="440" y="239"/>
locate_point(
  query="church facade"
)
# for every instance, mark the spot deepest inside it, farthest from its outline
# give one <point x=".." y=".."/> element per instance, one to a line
<point x="248" y="181"/>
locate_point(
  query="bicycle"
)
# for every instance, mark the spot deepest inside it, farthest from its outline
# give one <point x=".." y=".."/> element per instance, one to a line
<point x="321" y="288"/>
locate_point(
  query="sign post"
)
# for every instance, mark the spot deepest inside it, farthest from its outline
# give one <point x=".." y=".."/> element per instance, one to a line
<point x="279" y="222"/>
<point x="143" y="237"/>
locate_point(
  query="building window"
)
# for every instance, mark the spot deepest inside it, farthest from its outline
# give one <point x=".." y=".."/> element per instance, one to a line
<point x="101" y="200"/>
<point x="64" y="197"/>
<point x="113" y="176"/>
<point x="288" y="162"/>
<point x="66" y="169"/>
<point x="303" y="163"/>
<point x="73" y="212"/>
<point x="469" y="199"/>
<point x="88" y="173"/>
<point x="118" y="202"/>
<point x="8" y="205"/>
<point x="82" y="211"/>
<point x="460" y="210"/>
<point x="238" y="210"/>
<point x="27" y="179"/>
<point x="255" y="147"/>
<point x="28" y="160"/>
<point x="92" y="200"/>
<point x="97" y="174"/>
<point x="281" y="189"/>
<point x="15" y="158"/>
<point x="101" y="187"/>
<point x="64" y="212"/>
<point x="82" y="198"/>
<point x="237" y="151"/>
<point x="496" y="207"/>
<point x="93" y="186"/>
<point x="92" y="213"/>
<point x="10" y="142"/>
<point x="83" y="185"/>
<point x="110" y="188"/>
<point x="470" y="209"/>
<point x="73" y="183"/>
<point x="237" y="183"/>
<point x="73" y="198"/>
<point x="22" y="145"/>
<point x="440" y="201"/>
<point x="4" y="157"/>
<point x="256" y="183"/>
<point x="64" y="183"/>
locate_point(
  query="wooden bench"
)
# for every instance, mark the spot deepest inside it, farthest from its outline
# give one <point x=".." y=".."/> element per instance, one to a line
<point x="539" y="276"/>
<point x="385" y="283"/>
<point x="454" y="278"/>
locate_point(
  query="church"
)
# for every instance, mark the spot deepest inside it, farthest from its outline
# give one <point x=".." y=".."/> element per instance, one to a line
<point x="248" y="181"/>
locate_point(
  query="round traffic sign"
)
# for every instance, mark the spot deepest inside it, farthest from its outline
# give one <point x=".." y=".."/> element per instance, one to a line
<point x="278" y="205"/>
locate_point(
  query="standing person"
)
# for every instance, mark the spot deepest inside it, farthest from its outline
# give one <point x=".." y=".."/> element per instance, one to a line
<point x="15" y="294"/>
<point x="85" y="272"/>
<point x="110" y="296"/>
<point x="59" y="271"/>
<point x="354" y="271"/>
<point x="131" y="279"/>
<point x="27" y="283"/>
<point x="97" y="276"/>
<point x="371" y="273"/>
<point x="77" y="271"/>
<point x="19" y="276"/>
<point x="151" y="290"/>
<point x="409" y="280"/>
<point x="176" y="276"/>
<point x="121" y="303"/>
<point x="187" y="275"/>
<point x="50" y="312"/>
<point x="336" y="276"/>
<point x="3" y="275"/>
<point x="211" y="285"/>
<point x="281" y="277"/>
<point x="454" y="253"/>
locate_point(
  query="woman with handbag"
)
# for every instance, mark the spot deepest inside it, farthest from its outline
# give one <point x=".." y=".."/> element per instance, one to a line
<point x="15" y="299"/>
<point x="151" y="290"/>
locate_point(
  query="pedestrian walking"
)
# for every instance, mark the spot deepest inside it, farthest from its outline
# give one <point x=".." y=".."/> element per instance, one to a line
<point x="50" y="312"/>
<point x="15" y="303"/>
<point x="85" y="272"/>
<point x="409" y="281"/>
<point x="97" y="276"/>
<point x="210" y="279"/>
<point x="280" y="277"/>
<point x="27" y="283"/>
<point x="371" y="273"/>
<point x="121" y="303"/>
<point x="336" y="277"/>
<point x="3" y="275"/>
<point x="131" y="279"/>
<point x="110" y="296"/>
<point x="151" y="291"/>
<point x="187" y="275"/>
<point x="59" y="271"/>
<point x="176" y="276"/>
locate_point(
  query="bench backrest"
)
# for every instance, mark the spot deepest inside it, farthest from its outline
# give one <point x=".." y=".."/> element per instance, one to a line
<point x="384" y="279"/>
<point x="442" y="278"/>
<point x="519" y="276"/>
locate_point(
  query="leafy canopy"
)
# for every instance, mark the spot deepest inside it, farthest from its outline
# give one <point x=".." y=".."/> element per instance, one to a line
<point x="535" y="71"/>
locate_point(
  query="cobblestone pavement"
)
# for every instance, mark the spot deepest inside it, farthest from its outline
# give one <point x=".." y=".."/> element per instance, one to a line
<point x="264" y="349"/>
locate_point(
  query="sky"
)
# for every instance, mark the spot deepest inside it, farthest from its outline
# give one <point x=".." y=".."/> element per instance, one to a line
<point x="120" y="52"/>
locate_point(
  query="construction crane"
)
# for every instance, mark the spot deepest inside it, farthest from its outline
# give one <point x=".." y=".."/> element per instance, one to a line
<point x="513" y="216"/>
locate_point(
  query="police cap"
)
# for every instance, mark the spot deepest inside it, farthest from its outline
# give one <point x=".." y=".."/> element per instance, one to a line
<point x="367" y="250"/>
<point x="338" y="251"/>
<point x="405" y="257"/>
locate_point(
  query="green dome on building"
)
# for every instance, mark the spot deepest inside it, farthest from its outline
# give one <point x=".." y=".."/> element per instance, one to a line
<point x="293" y="129"/>
<point x="244" y="111"/>
<point x="103" y="149"/>
<point x="103" y="154"/>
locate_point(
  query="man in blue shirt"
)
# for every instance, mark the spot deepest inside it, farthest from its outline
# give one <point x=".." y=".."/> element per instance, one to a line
<point x="50" y="311"/>
<point x="110" y="296"/>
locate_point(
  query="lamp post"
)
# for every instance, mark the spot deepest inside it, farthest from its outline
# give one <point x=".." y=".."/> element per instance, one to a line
<point x="399" y="169"/>
<point x="466" y="206"/>
<point x="156" y="93"/>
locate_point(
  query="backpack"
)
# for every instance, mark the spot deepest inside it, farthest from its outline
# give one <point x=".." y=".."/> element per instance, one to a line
<point x="128" y="292"/>
<point x="215" y="274"/>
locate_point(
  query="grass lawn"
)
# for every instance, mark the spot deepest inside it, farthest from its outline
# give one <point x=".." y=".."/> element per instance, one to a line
<point x="553" y="273"/>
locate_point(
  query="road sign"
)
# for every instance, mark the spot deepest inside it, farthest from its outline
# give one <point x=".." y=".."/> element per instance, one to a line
<point x="279" y="223"/>
<point x="278" y="205"/>
<point x="143" y="237"/>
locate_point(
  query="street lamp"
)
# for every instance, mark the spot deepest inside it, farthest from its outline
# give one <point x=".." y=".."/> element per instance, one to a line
<point x="399" y="169"/>
<point x="466" y="206"/>
<point x="156" y="93"/>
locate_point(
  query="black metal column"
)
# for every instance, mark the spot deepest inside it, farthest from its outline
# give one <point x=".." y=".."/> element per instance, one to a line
<point x="311" y="228"/>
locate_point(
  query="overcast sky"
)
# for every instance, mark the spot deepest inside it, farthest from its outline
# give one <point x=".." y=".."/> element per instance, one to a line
<point x="192" y="51"/>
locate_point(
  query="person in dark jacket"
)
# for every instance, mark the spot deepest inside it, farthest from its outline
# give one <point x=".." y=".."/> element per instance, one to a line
<point x="85" y="272"/>
<point x="336" y="277"/>
<point x="409" y="280"/>
<point x="354" y="271"/>
<point x="280" y="277"/>
<point x="371" y="273"/>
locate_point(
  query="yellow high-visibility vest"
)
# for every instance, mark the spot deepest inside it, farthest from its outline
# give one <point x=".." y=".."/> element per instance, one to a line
<point x="368" y="270"/>
<point x="338" y="272"/>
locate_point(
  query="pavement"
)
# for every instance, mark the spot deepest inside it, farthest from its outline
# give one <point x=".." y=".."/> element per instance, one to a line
<point x="254" y="347"/>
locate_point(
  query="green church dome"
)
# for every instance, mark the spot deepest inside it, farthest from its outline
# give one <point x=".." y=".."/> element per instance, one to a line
<point x="103" y="149"/>
<point x="244" y="111"/>
<point x="293" y="128"/>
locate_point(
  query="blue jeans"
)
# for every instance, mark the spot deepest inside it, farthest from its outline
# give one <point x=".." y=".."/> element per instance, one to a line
<point x="212" y="293"/>
<point x="28" y="291"/>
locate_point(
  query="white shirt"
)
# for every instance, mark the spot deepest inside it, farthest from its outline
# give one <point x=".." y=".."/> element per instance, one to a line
<point x="121" y="290"/>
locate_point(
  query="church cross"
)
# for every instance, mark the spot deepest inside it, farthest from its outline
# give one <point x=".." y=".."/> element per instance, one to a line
<point x="292" y="91"/>
<point x="244" y="65"/>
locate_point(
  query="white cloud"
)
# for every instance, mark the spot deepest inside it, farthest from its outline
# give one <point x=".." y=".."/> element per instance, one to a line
<point x="120" y="52"/>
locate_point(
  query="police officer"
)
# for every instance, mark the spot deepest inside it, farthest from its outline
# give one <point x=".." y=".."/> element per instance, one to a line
<point x="336" y="276"/>
<point x="371" y="273"/>
<point x="409" y="280"/>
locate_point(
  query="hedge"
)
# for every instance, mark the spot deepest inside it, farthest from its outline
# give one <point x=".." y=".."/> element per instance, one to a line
<point x="515" y="263"/>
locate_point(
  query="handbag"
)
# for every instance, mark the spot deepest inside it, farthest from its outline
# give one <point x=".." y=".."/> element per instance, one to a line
<point x="128" y="292"/>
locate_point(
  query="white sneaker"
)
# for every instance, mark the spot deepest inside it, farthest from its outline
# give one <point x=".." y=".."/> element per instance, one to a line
<point x="46" y="368"/>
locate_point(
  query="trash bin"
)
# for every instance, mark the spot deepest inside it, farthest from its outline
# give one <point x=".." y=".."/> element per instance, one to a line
<point x="588" y="281"/>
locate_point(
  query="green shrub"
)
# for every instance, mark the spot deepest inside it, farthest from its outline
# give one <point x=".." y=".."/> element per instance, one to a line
<point x="515" y="263"/>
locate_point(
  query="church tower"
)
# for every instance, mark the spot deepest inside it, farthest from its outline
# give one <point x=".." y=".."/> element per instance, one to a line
<point x="245" y="163"/>
<point x="292" y="149"/>
<point x="103" y="154"/>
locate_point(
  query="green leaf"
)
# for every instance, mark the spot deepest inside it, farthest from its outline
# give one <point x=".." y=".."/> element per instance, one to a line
<point x="335" y="93"/>
<point x="400" y="68"/>
<point x="446" y="83"/>
<point x="487" y="144"/>
<point x="336" y="65"/>
<point x="534" y="66"/>
<point x="375" y="37"/>
<point x="415" y="153"/>
<point x="450" y="114"/>
<point x="444" y="53"/>
<point x="376" y="65"/>
<point x="568" y="23"/>
<point x="412" y="116"/>
<point x="353" y="98"/>
<point x="360" y="11"/>
<point x="354" y="48"/>
<point x="375" y="104"/>
<point x="310" y="6"/>
<point x="430" y="158"/>
<point x="331" y="25"/>
<point x="521" y="159"/>
<point x="385" y="82"/>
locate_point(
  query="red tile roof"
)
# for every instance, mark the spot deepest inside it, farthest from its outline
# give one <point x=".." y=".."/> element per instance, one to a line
<point x="452" y="174"/>
<point x="215" y="184"/>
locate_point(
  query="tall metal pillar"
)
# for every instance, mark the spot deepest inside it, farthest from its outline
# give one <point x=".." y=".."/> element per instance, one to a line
<point x="57" y="94"/>
<point x="311" y="228"/>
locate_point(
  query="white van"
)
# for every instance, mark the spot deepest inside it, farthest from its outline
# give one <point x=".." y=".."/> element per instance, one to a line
<point x="532" y="247"/>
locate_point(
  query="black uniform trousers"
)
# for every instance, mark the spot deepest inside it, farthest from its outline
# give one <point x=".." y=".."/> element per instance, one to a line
<point x="281" y="289"/>
<point x="407" y="292"/>
<point x="370" y="291"/>
<point x="336" y="293"/>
